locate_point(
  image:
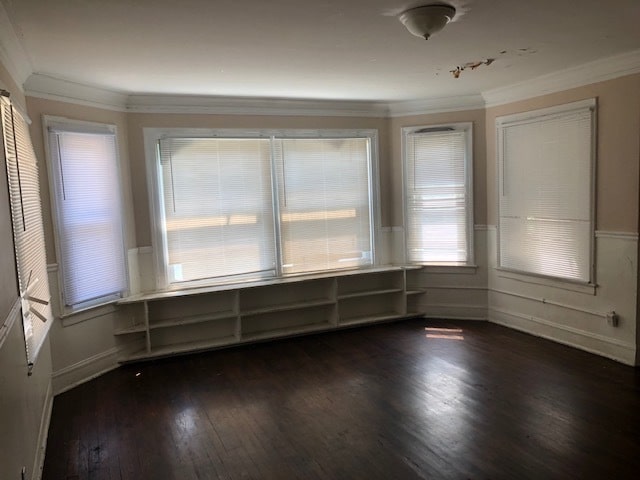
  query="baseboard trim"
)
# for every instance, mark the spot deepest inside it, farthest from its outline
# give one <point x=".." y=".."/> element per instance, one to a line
<point x="454" y="311"/>
<point x="454" y="317"/>
<point x="43" y="433"/>
<point x="598" y="344"/>
<point x="84" y="370"/>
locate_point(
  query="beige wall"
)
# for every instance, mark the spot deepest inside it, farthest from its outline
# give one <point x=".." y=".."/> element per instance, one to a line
<point x="9" y="84"/>
<point x="138" y="121"/>
<point x="477" y="117"/>
<point x="617" y="154"/>
<point x="554" y="310"/>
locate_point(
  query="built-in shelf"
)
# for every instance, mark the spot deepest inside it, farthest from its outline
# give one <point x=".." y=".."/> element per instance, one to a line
<point x="174" y="349"/>
<point x="370" y="293"/>
<point x="190" y="320"/>
<point x="370" y="318"/>
<point x="285" y="308"/>
<point x="130" y="330"/>
<point x="415" y="292"/>
<point x="285" y="332"/>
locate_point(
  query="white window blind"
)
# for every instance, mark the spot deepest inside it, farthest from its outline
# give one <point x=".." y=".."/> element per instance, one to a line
<point x="87" y="197"/>
<point x="218" y="208"/>
<point x="545" y="177"/>
<point x="438" y="194"/>
<point x="26" y="212"/>
<point x="324" y="203"/>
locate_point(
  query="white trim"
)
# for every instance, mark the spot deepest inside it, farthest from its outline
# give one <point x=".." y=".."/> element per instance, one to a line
<point x="463" y="269"/>
<point x="609" y="347"/>
<point x="12" y="316"/>
<point x="546" y="301"/>
<point x="12" y="53"/>
<point x="187" y="104"/>
<point x="481" y="227"/>
<point x="467" y="129"/>
<point x="89" y="313"/>
<point x="533" y="117"/>
<point x="436" y="105"/>
<point x="572" y="77"/>
<point x="40" y="85"/>
<point x="452" y="287"/>
<point x="87" y="369"/>
<point x="43" y="433"/>
<point x="454" y="306"/>
<point x="588" y="288"/>
<point x="58" y="124"/>
<point x="629" y="236"/>
<point x="146" y="250"/>
<point x="51" y="88"/>
<point x="152" y="136"/>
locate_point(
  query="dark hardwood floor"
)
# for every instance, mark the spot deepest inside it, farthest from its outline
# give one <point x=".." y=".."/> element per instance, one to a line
<point x="391" y="401"/>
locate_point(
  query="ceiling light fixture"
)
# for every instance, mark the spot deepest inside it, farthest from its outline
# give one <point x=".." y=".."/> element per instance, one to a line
<point x="427" y="20"/>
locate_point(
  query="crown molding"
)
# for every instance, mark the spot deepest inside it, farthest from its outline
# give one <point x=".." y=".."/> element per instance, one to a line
<point x="12" y="54"/>
<point x="45" y="86"/>
<point x="581" y="75"/>
<point x="436" y="105"/>
<point x="190" y="104"/>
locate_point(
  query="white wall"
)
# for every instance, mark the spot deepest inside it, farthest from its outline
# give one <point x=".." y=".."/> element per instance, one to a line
<point x="575" y="318"/>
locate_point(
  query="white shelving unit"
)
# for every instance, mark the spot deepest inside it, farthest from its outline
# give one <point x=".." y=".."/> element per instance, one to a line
<point x="180" y="321"/>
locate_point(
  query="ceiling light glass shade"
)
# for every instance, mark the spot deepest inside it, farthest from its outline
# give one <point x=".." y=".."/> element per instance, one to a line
<point x="425" y="21"/>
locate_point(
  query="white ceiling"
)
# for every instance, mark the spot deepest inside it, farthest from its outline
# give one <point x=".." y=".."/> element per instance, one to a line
<point x="303" y="49"/>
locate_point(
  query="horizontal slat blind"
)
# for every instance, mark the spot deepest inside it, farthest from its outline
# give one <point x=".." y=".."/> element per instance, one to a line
<point x="218" y="207"/>
<point x="545" y="195"/>
<point x="89" y="212"/>
<point x="26" y="212"/>
<point x="325" y="217"/>
<point x="437" y="197"/>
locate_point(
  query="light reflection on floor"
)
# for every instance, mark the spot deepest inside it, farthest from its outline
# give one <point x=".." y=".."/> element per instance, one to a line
<point x="444" y="333"/>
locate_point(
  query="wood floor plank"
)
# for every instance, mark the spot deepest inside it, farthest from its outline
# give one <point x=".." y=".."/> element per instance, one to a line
<point x="418" y="399"/>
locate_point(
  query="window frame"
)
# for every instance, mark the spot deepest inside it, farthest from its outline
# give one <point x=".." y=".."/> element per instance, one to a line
<point x="153" y="135"/>
<point x="467" y="128"/>
<point x="532" y="116"/>
<point x="81" y="126"/>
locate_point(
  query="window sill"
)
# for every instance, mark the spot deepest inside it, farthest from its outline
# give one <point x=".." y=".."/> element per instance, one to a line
<point x="220" y="287"/>
<point x="73" y="317"/>
<point x="587" y="288"/>
<point x="446" y="268"/>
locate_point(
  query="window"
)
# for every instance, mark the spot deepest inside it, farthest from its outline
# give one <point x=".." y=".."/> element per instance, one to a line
<point x="237" y="205"/>
<point x="324" y="203"/>
<point x="86" y="194"/>
<point x="28" y="232"/>
<point x="546" y="160"/>
<point x="438" y="194"/>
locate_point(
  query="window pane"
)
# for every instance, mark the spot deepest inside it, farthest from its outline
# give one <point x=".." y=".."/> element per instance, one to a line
<point x="89" y="216"/>
<point x="545" y="195"/>
<point x="437" y="197"/>
<point x="28" y="232"/>
<point x="324" y="201"/>
<point x="218" y="212"/>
